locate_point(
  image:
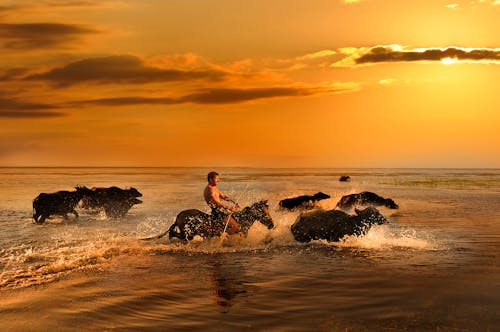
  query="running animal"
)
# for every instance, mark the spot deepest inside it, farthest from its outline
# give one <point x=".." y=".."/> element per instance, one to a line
<point x="58" y="203"/>
<point x="190" y="223"/>
<point x="304" y="201"/>
<point x="333" y="225"/>
<point x="115" y="201"/>
<point x="365" y="198"/>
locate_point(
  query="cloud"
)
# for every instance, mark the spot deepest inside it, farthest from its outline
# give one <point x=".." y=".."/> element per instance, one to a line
<point x="32" y="36"/>
<point x="396" y="53"/>
<point x="473" y="4"/>
<point x="14" y="108"/>
<point x="229" y="96"/>
<point x="120" y="69"/>
<point x="208" y="96"/>
<point x="452" y="6"/>
<point x="226" y="95"/>
<point x="70" y="4"/>
<point x="13" y="73"/>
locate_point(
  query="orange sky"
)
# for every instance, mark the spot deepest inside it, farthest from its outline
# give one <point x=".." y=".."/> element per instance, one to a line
<point x="288" y="83"/>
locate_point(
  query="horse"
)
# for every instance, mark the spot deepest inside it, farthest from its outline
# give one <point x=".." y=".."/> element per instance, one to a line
<point x="192" y="222"/>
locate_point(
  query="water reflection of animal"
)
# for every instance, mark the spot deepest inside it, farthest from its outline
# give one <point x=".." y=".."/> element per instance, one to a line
<point x="228" y="281"/>
<point x="115" y="201"/>
<point x="190" y="223"/>
<point x="366" y="198"/>
<point x="305" y="201"/>
<point x="333" y="225"/>
<point x="58" y="203"/>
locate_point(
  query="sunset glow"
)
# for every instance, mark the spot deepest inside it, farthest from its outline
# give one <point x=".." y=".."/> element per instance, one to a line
<point x="373" y="83"/>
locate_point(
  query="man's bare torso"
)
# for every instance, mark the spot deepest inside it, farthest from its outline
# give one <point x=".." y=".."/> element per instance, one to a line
<point x="211" y="194"/>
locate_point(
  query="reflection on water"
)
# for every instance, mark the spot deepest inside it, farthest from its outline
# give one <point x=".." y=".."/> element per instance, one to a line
<point x="227" y="280"/>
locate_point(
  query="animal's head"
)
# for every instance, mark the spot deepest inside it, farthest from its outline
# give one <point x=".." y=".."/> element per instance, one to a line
<point x="134" y="192"/>
<point x="390" y="203"/>
<point x="371" y="216"/>
<point x="134" y="200"/>
<point x="262" y="213"/>
<point x="321" y="195"/>
<point x="83" y="191"/>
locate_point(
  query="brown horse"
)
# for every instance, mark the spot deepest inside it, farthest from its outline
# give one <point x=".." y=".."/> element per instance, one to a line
<point x="190" y="223"/>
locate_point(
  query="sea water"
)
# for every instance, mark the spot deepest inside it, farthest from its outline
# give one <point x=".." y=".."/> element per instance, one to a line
<point x="434" y="266"/>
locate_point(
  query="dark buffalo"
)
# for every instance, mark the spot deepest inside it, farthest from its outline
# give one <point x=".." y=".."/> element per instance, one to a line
<point x="58" y="203"/>
<point x="333" y="225"/>
<point x="115" y="201"/>
<point x="304" y="201"/>
<point x="345" y="178"/>
<point x="366" y="198"/>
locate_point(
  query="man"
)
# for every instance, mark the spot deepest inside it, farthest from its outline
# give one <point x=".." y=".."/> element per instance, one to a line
<point x="213" y="197"/>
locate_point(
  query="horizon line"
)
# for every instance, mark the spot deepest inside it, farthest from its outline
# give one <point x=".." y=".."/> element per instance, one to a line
<point x="261" y="167"/>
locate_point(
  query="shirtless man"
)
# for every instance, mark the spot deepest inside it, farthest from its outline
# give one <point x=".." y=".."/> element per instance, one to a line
<point x="213" y="197"/>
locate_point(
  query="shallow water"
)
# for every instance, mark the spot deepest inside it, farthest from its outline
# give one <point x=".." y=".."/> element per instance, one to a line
<point x="435" y="266"/>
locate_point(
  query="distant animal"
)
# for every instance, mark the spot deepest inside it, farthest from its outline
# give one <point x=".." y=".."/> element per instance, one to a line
<point x="304" y="201"/>
<point x="115" y="201"/>
<point x="190" y="223"/>
<point x="345" y="178"/>
<point x="333" y="225"/>
<point x="58" y="203"/>
<point x="366" y="198"/>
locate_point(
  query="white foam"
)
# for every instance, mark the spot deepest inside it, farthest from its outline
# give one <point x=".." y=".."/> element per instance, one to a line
<point x="384" y="237"/>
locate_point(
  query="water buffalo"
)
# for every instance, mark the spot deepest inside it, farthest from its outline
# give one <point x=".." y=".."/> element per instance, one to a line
<point x="333" y="225"/>
<point x="304" y="201"/>
<point x="115" y="201"/>
<point x="58" y="203"/>
<point x="366" y="198"/>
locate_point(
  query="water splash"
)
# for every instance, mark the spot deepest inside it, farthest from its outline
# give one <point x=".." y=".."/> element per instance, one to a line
<point x="75" y="248"/>
<point x="385" y="237"/>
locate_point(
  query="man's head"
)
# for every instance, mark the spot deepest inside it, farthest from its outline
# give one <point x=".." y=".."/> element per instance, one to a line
<point x="212" y="177"/>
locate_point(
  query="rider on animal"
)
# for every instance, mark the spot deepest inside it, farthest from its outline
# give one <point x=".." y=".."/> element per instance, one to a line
<point x="213" y="197"/>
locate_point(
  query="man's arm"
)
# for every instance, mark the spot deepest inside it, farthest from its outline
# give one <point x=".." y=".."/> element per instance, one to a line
<point x="216" y="195"/>
<point x="226" y="198"/>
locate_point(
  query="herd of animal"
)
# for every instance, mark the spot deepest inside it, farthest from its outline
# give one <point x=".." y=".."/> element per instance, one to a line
<point x="114" y="201"/>
<point x="312" y="223"/>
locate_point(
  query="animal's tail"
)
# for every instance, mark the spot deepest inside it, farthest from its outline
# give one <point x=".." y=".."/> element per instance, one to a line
<point x="173" y="231"/>
<point x="155" y="237"/>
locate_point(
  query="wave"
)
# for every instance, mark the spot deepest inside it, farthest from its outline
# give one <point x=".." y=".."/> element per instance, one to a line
<point x="75" y="251"/>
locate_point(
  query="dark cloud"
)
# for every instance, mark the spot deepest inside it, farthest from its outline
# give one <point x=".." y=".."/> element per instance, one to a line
<point x="208" y="96"/>
<point x="64" y="4"/>
<point x="125" y="101"/>
<point x="13" y="73"/>
<point x="120" y="69"/>
<point x="388" y="54"/>
<point x="30" y="36"/>
<point x="227" y="96"/>
<point x="14" y="108"/>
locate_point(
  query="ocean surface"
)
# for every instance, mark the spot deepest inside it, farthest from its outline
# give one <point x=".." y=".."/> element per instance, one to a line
<point x="434" y="267"/>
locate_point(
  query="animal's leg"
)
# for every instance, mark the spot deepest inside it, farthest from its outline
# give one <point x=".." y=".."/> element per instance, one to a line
<point x="176" y="231"/>
<point x="42" y="219"/>
<point x="232" y="226"/>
